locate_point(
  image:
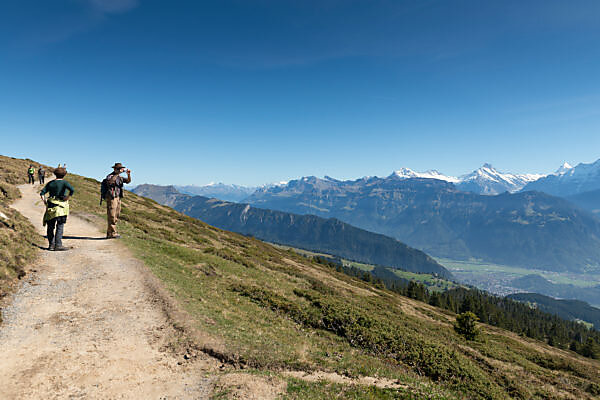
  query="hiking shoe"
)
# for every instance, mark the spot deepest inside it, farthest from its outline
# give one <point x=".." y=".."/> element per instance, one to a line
<point x="62" y="248"/>
<point x="50" y="248"/>
<point x="114" y="237"/>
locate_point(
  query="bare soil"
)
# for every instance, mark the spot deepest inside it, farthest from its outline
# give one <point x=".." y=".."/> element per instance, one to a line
<point x="89" y="326"/>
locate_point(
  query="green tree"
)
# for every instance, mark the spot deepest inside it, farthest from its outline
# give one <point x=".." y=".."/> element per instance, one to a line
<point x="466" y="325"/>
<point x="467" y="305"/>
<point x="590" y="349"/>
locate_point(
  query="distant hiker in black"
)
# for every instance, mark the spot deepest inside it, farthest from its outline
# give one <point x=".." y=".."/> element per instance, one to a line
<point x="57" y="208"/>
<point x="30" y="173"/>
<point x="112" y="191"/>
<point x="41" y="175"/>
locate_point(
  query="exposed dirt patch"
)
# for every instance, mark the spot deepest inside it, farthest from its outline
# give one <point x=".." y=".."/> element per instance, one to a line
<point x="250" y="387"/>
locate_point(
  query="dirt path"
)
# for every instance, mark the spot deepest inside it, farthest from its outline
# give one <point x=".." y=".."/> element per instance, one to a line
<point x="87" y="327"/>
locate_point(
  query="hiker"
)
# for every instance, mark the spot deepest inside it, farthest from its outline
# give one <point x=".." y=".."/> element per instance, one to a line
<point x="57" y="208"/>
<point x="41" y="175"/>
<point x="112" y="191"/>
<point x="30" y="173"/>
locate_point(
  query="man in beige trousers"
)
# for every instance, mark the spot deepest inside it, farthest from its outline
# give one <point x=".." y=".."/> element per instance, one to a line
<point x="112" y="192"/>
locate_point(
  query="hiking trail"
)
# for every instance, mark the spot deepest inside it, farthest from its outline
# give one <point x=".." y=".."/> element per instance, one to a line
<point x="87" y="326"/>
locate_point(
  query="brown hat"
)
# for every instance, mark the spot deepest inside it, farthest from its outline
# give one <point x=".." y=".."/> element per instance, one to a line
<point x="118" y="165"/>
<point x="60" y="172"/>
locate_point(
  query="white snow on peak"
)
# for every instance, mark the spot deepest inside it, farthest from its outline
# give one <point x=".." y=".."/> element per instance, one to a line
<point x="493" y="181"/>
<point x="273" y="184"/>
<point x="407" y="173"/>
<point x="566" y="167"/>
<point x="584" y="171"/>
<point x="487" y="179"/>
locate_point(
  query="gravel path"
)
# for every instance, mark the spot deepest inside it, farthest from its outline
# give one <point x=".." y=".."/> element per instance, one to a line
<point x="87" y="327"/>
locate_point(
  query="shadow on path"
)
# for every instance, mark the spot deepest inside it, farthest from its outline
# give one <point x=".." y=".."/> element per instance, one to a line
<point x="84" y="237"/>
<point x="79" y="238"/>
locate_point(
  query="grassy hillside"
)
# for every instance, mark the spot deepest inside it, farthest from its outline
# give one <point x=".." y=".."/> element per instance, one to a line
<point x="18" y="238"/>
<point x="268" y="311"/>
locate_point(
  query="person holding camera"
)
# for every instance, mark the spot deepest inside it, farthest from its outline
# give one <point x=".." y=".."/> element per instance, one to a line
<point x="57" y="208"/>
<point x="112" y="192"/>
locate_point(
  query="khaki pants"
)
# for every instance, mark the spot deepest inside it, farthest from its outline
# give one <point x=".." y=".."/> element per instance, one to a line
<point x="113" y="210"/>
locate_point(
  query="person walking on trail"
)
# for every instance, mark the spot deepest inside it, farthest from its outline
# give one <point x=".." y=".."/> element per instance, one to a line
<point x="30" y="173"/>
<point x="41" y="175"/>
<point x="57" y="208"/>
<point x="112" y="191"/>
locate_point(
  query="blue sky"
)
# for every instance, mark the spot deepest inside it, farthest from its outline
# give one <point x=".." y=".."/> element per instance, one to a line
<point x="251" y="92"/>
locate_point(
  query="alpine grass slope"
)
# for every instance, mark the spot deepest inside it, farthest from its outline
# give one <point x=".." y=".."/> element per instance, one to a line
<point x="18" y="239"/>
<point x="271" y="311"/>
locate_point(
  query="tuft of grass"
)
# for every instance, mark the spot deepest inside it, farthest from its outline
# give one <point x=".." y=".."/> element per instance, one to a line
<point x="298" y="389"/>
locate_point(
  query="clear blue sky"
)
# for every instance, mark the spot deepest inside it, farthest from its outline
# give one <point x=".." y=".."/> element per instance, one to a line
<point x="250" y="92"/>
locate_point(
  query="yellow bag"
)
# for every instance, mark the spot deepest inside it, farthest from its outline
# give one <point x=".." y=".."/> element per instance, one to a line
<point x="55" y="208"/>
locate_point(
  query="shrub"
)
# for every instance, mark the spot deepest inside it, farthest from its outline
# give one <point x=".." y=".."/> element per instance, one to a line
<point x="466" y="325"/>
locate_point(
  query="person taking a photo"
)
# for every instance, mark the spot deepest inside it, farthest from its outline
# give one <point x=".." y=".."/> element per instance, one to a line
<point x="112" y="192"/>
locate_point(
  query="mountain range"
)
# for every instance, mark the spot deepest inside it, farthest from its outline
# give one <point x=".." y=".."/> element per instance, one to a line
<point x="484" y="180"/>
<point x="528" y="229"/>
<point x="309" y="232"/>
<point x="565" y="181"/>
<point x="569" y="181"/>
<point x="221" y="191"/>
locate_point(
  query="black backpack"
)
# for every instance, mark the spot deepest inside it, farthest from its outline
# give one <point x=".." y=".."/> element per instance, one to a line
<point x="106" y="188"/>
<point x="103" y="189"/>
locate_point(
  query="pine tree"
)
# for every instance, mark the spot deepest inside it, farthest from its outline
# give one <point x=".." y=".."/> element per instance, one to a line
<point x="466" y="325"/>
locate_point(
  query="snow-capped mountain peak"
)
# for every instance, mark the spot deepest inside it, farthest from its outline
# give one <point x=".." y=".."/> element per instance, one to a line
<point x="566" y="167"/>
<point x="488" y="180"/>
<point x="407" y="173"/>
<point x="484" y="180"/>
<point x="568" y="180"/>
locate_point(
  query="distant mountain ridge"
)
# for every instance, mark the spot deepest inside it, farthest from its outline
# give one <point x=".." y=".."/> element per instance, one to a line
<point x="484" y="180"/>
<point x="220" y="191"/>
<point x="538" y="284"/>
<point x="528" y="229"/>
<point x="490" y="181"/>
<point x="587" y="200"/>
<point x="304" y="231"/>
<point x="569" y="181"/>
<point x="565" y="309"/>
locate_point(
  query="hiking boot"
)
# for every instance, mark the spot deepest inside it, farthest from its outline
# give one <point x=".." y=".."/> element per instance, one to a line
<point x="50" y="248"/>
<point x="61" y="248"/>
<point x="114" y="237"/>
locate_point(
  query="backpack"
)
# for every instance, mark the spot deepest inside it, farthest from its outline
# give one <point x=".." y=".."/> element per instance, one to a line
<point x="107" y="186"/>
<point x="103" y="189"/>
